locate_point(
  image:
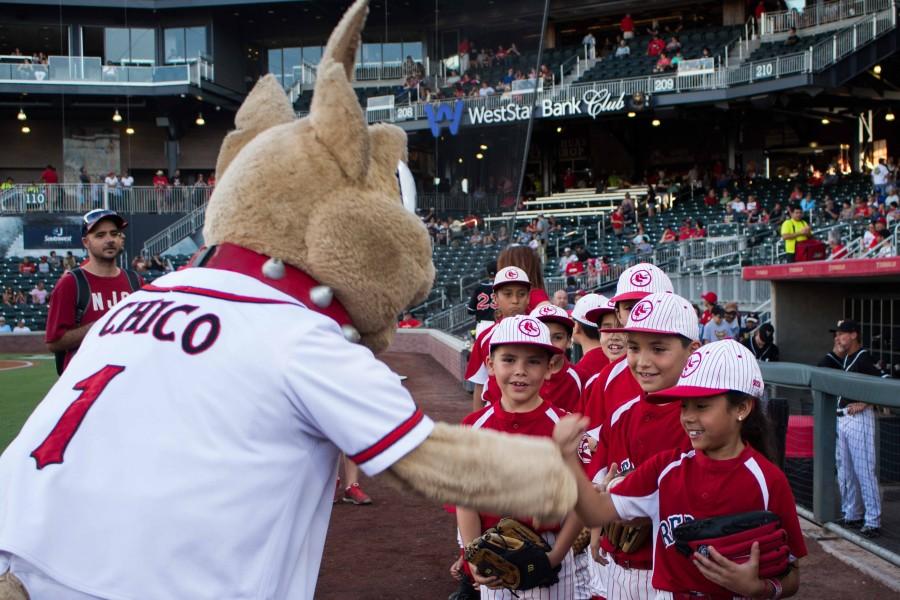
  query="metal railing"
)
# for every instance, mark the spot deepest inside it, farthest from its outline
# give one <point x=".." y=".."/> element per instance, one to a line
<point x="174" y="233"/>
<point x="90" y="70"/>
<point x="79" y="198"/>
<point x="811" y="60"/>
<point x="816" y="492"/>
<point x="729" y="286"/>
<point x="816" y="14"/>
<point x="457" y="202"/>
<point x="451" y="319"/>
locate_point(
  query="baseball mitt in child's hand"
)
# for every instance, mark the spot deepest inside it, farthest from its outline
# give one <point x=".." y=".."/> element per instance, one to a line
<point x="515" y="554"/>
<point x="733" y="535"/>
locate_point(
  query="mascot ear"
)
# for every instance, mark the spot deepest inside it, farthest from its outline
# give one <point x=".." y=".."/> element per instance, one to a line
<point x="335" y="114"/>
<point x="265" y="106"/>
<point x="388" y="143"/>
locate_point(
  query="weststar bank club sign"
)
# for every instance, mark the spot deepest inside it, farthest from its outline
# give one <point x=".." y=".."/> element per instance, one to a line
<point x="592" y="103"/>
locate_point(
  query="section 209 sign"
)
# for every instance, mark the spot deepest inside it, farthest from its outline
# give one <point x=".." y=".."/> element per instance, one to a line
<point x="592" y="103"/>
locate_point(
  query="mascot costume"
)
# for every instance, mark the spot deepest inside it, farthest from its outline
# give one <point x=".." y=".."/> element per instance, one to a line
<point x="189" y="451"/>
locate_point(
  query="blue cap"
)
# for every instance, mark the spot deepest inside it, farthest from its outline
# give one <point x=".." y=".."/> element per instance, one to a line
<point x="95" y="216"/>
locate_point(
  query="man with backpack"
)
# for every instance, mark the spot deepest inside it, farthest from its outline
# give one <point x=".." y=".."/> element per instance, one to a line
<point x="86" y="293"/>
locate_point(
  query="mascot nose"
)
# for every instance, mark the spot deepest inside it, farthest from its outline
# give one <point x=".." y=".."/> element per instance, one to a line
<point x="407" y="187"/>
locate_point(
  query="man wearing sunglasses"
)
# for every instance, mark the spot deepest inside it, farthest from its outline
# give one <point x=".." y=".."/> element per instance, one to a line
<point x="84" y="294"/>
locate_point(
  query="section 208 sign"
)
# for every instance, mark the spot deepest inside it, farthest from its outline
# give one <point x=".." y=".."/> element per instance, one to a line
<point x="592" y="104"/>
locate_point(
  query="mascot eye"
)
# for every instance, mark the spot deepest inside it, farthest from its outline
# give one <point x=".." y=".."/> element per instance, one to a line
<point x="407" y="187"/>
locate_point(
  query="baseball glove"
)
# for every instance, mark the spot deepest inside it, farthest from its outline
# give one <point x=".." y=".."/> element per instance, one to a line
<point x="581" y="542"/>
<point x="628" y="537"/>
<point x="733" y="535"/>
<point x="515" y="554"/>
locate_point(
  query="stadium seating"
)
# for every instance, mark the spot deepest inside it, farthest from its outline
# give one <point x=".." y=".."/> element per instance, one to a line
<point x="773" y="49"/>
<point x="638" y="64"/>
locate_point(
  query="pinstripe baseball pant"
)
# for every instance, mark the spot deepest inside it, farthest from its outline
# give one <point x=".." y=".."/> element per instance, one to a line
<point x="855" y="457"/>
<point x="590" y="577"/>
<point x="628" y="584"/>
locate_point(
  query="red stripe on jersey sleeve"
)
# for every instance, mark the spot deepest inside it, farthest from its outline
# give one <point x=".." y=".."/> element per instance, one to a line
<point x="389" y="440"/>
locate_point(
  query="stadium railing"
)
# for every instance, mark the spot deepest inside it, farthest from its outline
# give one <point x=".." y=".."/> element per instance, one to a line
<point x="817" y="14"/>
<point x="79" y="198"/>
<point x="174" y="233"/>
<point x="803" y="404"/>
<point x="90" y="70"/>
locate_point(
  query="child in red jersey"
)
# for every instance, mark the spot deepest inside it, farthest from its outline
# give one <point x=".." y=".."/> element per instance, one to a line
<point x="563" y="389"/>
<point x="586" y="334"/>
<point x="511" y="293"/>
<point x="520" y="358"/>
<point x="727" y="471"/>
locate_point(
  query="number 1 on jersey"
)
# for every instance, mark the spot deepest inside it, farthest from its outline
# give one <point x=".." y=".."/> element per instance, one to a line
<point x="52" y="449"/>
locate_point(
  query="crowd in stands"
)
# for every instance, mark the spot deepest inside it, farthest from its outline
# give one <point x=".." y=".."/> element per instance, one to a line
<point x="29" y="66"/>
<point x="119" y="181"/>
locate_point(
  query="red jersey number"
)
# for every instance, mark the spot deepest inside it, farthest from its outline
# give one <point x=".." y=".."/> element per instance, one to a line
<point x="52" y="449"/>
<point x="485" y="301"/>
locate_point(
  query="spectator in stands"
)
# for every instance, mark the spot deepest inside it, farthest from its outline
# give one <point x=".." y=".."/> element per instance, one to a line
<point x="111" y="181"/>
<point x="794" y="230"/>
<point x="776" y="215"/>
<point x="486" y="90"/>
<point x="684" y="232"/>
<point x="475" y="239"/>
<point x="576" y="267"/>
<point x="4" y="327"/>
<point x="716" y="329"/>
<point x="699" y="230"/>
<point x="21" y="328"/>
<point x="69" y="261"/>
<point x="590" y="46"/>
<point x="43" y="266"/>
<point x="762" y="344"/>
<point x="880" y="177"/>
<point x="126" y="180"/>
<point x="796" y="194"/>
<point x="729" y="215"/>
<point x="886" y="248"/>
<point x="893" y="214"/>
<point x="502" y="236"/>
<point x="565" y="259"/>
<point x="757" y="216"/>
<point x="705" y="53"/>
<point x="160" y="180"/>
<point x="39" y="293"/>
<point x="710" y="199"/>
<point x="710" y="300"/>
<point x="8" y="296"/>
<point x="8" y="184"/>
<point x="656" y="46"/>
<point x="157" y="263"/>
<point x="732" y="319"/>
<point x="409" y="321"/>
<point x="561" y="299"/>
<point x="663" y="63"/>
<point x="27" y="267"/>
<point x="50" y="175"/>
<point x="677" y="59"/>
<point x="674" y="45"/>
<point x="745" y="333"/>
<point x="617" y="219"/>
<point x="628" y="209"/>
<point x="846" y="211"/>
<point x="569" y="179"/>
<point x="760" y="9"/>
<point x="53" y="260"/>
<point x="20" y="298"/>
<point x="738" y="205"/>
<point x="792" y="39"/>
<point x="808" y="204"/>
<point x="830" y="212"/>
<point x="668" y="236"/>
<point x="857" y="480"/>
<point x="623" y="49"/>
<point x="627" y="27"/>
<point x="139" y="264"/>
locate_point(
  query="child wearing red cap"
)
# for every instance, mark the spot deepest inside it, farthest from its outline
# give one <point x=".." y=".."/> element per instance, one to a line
<point x="727" y="471"/>
<point x="520" y="358"/>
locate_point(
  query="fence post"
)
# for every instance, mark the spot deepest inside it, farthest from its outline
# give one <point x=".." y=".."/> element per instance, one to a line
<point x="824" y="440"/>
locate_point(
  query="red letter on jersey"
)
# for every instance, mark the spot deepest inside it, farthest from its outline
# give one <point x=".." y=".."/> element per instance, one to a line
<point x="52" y="449"/>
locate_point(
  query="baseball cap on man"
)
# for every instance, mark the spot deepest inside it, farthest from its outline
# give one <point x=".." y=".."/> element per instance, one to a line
<point x="641" y="280"/>
<point x="550" y="313"/>
<point x="521" y="330"/>
<point x="710" y="297"/>
<point x="93" y="217"/>
<point x="591" y="307"/>
<point x="716" y="368"/>
<point x="508" y="275"/>
<point x="665" y="313"/>
<point x="846" y="326"/>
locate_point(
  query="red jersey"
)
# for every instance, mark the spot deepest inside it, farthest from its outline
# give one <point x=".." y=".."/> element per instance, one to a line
<point x="538" y="422"/>
<point x="706" y="317"/>
<point x="106" y="292"/>
<point x="49" y="176"/>
<point x="535" y="297"/>
<point x="627" y="24"/>
<point x="409" y="324"/>
<point x="563" y="389"/>
<point x="588" y="369"/>
<point x="674" y="487"/>
<point x="636" y="432"/>
<point x="614" y="386"/>
<point x="576" y="267"/>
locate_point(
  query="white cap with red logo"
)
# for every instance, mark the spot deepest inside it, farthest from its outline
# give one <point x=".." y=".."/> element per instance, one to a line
<point x="664" y="313"/>
<point x="508" y="275"/>
<point x="522" y="330"/>
<point x="714" y="369"/>
<point x="640" y="280"/>
<point x="589" y="309"/>
<point x="549" y="313"/>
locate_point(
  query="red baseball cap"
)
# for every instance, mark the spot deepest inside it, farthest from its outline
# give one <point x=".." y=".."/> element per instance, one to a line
<point x="710" y="297"/>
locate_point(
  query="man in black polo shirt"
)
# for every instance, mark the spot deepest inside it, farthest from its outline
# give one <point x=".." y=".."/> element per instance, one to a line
<point x="860" y="496"/>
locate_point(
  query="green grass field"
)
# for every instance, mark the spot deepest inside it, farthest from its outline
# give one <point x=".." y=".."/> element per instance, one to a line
<point x="21" y="390"/>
